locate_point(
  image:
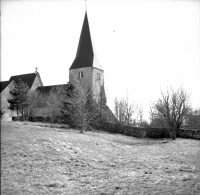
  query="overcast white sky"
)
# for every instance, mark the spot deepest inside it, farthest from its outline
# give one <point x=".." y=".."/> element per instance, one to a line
<point x="143" y="46"/>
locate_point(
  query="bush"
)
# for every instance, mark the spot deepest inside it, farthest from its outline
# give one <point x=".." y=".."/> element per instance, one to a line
<point x="133" y="131"/>
<point x="148" y="132"/>
<point x="192" y="134"/>
<point x="124" y="129"/>
<point x="17" y="118"/>
<point x="111" y="127"/>
<point x="39" y="118"/>
<point x="158" y="133"/>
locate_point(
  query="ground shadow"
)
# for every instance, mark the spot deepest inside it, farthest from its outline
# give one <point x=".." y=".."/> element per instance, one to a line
<point x="142" y="142"/>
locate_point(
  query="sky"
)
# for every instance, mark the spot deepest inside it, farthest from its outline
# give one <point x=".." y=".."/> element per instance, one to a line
<point x="143" y="46"/>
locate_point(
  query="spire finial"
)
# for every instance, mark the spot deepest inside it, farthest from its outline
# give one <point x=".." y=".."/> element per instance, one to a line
<point x="36" y="70"/>
<point x="85" y="6"/>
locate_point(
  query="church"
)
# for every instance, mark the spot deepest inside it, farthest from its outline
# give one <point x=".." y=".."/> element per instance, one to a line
<point x="85" y="67"/>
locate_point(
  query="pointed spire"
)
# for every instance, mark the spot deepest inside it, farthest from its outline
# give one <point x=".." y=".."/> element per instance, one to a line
<point x="85" y="56"/>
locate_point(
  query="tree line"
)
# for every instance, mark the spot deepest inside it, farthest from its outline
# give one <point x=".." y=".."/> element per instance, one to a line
<point x="78" y="108"/>
<point x="75" y="105"/>
<point x="172" y="110"/>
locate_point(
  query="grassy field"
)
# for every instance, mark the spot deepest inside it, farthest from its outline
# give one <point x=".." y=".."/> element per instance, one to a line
<point x="37" y="159"/>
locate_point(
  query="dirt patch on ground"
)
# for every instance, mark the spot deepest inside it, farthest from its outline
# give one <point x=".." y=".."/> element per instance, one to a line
<point x="41" y="160"/>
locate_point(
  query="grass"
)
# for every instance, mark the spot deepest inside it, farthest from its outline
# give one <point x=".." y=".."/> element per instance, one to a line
<point x="37" y="159"/>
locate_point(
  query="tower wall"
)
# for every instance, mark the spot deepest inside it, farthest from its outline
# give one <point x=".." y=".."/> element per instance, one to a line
<point x="93" y="78"/>
<point x="97" y="82"/>
<point x="86" y="81"/>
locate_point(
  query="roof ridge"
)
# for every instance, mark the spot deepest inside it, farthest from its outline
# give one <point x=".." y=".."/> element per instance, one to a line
<point x="52" y="85"/>
<point x="22" y="74"/>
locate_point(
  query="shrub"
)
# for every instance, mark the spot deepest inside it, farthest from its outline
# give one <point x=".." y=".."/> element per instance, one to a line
<point x="158" y="133"/>
<point x="155" y="133"/>
<point x="192" y="134"/>
<point x="124" y="129"/>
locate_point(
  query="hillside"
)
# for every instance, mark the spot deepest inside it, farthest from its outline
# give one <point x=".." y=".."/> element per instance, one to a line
<point x="41" y="160"/>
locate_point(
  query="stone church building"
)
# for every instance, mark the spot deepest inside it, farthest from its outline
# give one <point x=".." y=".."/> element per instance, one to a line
<point x="33" y="81"/>
<point x="85" y="67"/>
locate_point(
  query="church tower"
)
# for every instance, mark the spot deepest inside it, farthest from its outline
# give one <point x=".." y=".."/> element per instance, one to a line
<point x="86" y="67"/>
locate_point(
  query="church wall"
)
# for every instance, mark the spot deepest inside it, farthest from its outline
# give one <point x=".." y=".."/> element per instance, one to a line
<point x="5" y="95"/>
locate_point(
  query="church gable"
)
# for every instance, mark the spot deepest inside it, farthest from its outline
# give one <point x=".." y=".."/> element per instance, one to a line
<point x="4" y="84"/>
<point x="26" y="78"/>
<point x="33" y="80"/>
<point x="37" y="82"/>
<point x="6" y="87"/>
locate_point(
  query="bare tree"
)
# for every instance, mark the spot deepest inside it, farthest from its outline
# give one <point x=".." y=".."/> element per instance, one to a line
<point x="124" y="111"/>
<point x="79" y="106"/>
<point x="140" y="114"/>
<point x="129" y="111"/>
<point x="173" y="106"/>
<point x="33" y="107"/>
<point x="53" y="102"/>
<point x="151" y="114"/>
<point x="37" y="102"/>
<point x="156" y="119"/>
<point x="120" y="110"/>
